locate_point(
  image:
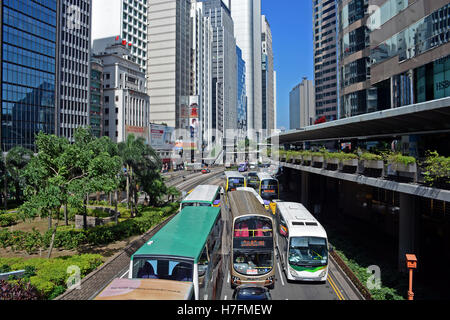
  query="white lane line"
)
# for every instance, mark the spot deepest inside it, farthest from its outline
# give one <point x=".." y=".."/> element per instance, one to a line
<point x="281" y="274"/>
<point x="124" y="274"/>
<point x="225" y="297"/>
<point x="228" y="279"/>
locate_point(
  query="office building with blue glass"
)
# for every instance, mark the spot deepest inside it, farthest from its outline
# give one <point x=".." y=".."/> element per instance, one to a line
<point x="241" y="92"/>
<point x="28" y="70"/>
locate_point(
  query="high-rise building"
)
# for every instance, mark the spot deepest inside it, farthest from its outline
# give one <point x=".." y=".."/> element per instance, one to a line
<point x="74" y="66"/>
<point x="126" y="19"/>
<point x="168" y="61"/>
<point x="275" y="99"/>
<point x="302" y="105"/>
<point x="224" y="68"/>
<point x="241" y="93"/>
<point x="356" y="94"/>
<point x="28" y="71"/>
<point x="201" y="74"/>
<point x="392" y="53"/>
<point x="268" y="103"/>
<point x="126" y="105"/>
<point x="96" y="97"/>
<point x="410" y="51"/>
<point x="325" y="58"/>
<point x="246" y="15"/>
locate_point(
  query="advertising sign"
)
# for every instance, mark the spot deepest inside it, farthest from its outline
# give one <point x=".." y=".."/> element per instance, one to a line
<point x="161" y="137"/>
<point x="137" y="131"/>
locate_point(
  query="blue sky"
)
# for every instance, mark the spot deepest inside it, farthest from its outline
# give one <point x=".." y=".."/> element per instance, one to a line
<point x="291" y="25"/>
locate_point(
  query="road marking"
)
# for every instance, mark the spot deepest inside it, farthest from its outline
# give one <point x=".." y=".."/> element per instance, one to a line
<point x="124" y="274"/>
<point x="225" y="297"/>
<point x="281" y="274"/>
<point x="335" y="288"/>
<point x="228" y="279"/>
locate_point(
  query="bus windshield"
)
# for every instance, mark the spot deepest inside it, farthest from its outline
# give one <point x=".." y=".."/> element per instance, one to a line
<point x="234" y="183"/>
<point x="308" y="251"/>
<point x="158" y="268"/>
<point x="253" y="262"/>
<point x="269" y="189"/>
<point x="253" y="227"/>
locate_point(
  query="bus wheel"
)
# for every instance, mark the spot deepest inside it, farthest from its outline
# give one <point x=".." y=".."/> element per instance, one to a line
<point x="271" y="287"/>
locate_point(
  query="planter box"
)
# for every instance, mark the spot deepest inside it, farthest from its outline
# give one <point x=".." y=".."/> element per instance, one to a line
<point x="411" y="168"/>
<point x="283" y="159"/>
<point x="374" y="164"/>
<point x="306" y="158"/>
<point x="318" y="159"/>
<point x="333" y="161"/>
<point x="298" y="159"/>
<point x="350" y="162"/>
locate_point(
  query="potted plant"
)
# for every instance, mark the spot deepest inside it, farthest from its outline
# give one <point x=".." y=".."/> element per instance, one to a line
<point x="282" y="155"/>
<point x="372" y="161"/>
<point x="349" y="159"/>
<point x="306" y="157"/>
<point x="402" y="163"/>
<point x="298" y="157"/>
<point x="317" y="157"/>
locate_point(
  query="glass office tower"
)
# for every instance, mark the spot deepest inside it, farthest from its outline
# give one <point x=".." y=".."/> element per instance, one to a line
<point x="28" y="39"/>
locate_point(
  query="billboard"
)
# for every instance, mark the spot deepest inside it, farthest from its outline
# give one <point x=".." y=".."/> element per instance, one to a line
<point x="162" y="137"/>
<point x="137" y="132"/>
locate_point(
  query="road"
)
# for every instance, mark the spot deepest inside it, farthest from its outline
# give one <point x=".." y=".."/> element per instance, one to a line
<point x="337" y="287"/>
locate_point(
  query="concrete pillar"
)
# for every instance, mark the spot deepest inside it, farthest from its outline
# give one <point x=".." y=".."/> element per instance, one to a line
<point x="408" y="223"/>
<point x="305" y="189"/>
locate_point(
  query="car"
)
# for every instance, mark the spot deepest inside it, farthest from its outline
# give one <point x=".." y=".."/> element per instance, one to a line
<point x="251" y="292"/>
<point x="206" y="170"/>
<point x="243" y="167"/>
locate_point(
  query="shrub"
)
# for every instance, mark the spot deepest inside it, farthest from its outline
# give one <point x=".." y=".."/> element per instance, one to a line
<point x="9" y="219"/>
<point x="367" y="156"/>
<point x="436" y="168"/>
<point x="18" y="291"/>
<point x="401" y="159"/>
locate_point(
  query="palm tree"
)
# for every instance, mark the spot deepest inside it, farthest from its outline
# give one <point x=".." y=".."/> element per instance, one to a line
<point x="16" y="160"/>
<point x="139" y="159"/>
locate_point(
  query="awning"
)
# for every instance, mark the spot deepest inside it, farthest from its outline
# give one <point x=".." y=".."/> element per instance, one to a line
<point x="422" y="118"/>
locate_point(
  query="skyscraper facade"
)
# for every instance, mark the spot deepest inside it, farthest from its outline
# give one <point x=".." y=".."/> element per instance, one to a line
<point x="224" y="68"/>
<point x="96" y="97"/>
<point x="325" y="58"/>
<point x="267" y="84"/>
<point x="410" y="51"/>
<point x="241" y="93"/>
<point x="356" y="94"/>
<point x="246" y="15"/>
<point x="168" y="61"/>
<point x="201" y="64"/>
<point x="302" y="105"/>
<point x="28" y="71"/>
<point x="74" y="66"/>
<point x="126" y="19"/>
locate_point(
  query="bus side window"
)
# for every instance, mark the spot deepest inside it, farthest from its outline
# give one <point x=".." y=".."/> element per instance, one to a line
<point x="283" y="227"/>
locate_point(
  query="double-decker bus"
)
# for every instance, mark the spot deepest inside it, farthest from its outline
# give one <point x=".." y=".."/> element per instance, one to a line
<point x="252" y="255"/>
<point x="203" y="196"/>
<point x="269" y="190"/>
<point x="187" y="250"/>
<point x="302" y="243"/>
<point x="234" y="180"/>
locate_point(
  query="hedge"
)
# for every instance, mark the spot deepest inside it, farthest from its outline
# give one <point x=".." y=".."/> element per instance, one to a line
<point x="69" y="239"/>
<point x="9" y="219"/>
<point x="49" y="276"/>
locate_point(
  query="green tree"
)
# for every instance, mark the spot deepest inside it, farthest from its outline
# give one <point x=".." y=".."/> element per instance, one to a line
<point x="3" y="181"/>
<point x="143" y="170"/>
<point x="16" y="160"/>
<point x="63" y="173"/>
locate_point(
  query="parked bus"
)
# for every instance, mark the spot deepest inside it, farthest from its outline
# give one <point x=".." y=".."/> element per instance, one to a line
<point x="147" y="289"/>
<point x="234" y="180"/>
<point x="269" y="189"/>
<point x="203" y="196"/>
<point x="253" y="249"/>
<point x="186" y="249"/>
<point x="302" y="243"/>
